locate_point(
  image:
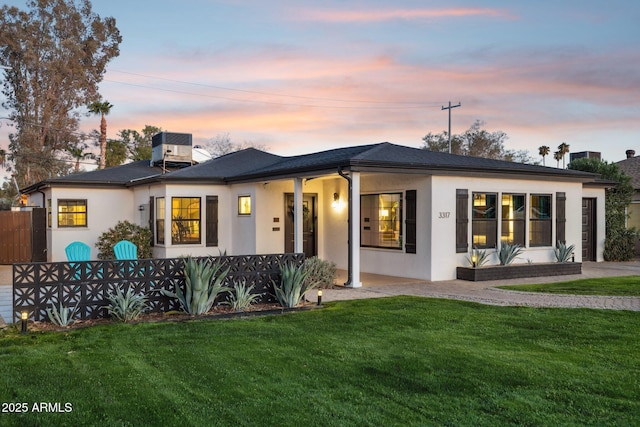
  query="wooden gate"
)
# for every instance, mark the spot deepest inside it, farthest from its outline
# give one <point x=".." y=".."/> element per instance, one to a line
<point x="23" y="236"/>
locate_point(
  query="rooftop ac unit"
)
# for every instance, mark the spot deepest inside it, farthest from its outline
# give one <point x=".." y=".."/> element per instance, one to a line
<point x="171" y="149"/>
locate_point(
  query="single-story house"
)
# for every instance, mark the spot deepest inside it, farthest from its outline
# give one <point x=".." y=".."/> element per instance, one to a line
<point x="380" y="208"/>
<point x="631" y="167"/>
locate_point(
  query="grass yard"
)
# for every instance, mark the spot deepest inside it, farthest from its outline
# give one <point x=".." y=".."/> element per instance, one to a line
<point x="627" y="286"/>
<point x="398" y="361"/>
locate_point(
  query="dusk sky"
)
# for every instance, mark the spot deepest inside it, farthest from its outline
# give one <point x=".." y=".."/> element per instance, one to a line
<point x="302" y="76"/>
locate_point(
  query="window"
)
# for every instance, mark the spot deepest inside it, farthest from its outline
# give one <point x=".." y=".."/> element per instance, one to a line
<point x="160" y="215"/>
<point x="185" y="220"/>
<point x="244" y="205"/>
<point x="513" y="219"/>
<point x="484" y="223"/>
<point x="381" y="220"/>
<point x="211" y="230"/>
<point x="540" y="220"/>
<point x="72" y="213"/>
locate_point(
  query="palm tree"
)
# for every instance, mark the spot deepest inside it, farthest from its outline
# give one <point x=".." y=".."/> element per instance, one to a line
<point x="78" y="153"/>
<point x="102" y="108"/>
<point x="544" y="151"/>
<point x="563" y="149"/>
<point x="558" y="156"/>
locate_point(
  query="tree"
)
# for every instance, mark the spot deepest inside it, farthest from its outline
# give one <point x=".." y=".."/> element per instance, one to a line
<point x="78" y="153"/>
<point x="222" y="144"/>
<point x="116" y="153"/>
<point x="543" y="151"/>
<point x="476" y="142"/>
<point x="138" y="144"/>
<point x="558" y="156"/>
<point x="619" y="241"/>
<point x="102" y="108"/>
<point x="3" y="157"/>
<point x="563" y="149"/>
<point x="57" y="52"/>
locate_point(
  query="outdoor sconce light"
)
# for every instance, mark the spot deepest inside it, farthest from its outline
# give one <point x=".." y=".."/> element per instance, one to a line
<point x="319" y="297"/>
<point x="336" y="201"/>
<point x="141" y="207"/>
<point x="24" y="316"/>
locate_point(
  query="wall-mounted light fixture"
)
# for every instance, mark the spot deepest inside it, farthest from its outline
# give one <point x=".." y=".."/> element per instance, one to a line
<point x="24" y="317"/>
<point x="336" y="201"/>
<point x="141" y="207"/>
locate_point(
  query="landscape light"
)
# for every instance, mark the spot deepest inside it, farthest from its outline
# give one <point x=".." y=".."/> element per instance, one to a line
<point x="319" y="297"/>
<point x="24" y="316"/>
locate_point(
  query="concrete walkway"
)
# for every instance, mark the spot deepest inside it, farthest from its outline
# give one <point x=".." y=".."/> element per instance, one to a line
<point x="376" y="286"/>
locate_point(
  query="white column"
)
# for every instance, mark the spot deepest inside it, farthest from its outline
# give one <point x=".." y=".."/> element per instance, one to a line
<point x="354" y="199"/>
<point x="297" y="216"/>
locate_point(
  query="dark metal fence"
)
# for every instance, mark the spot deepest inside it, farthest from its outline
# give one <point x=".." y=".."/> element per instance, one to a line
<point x="38" y="286"/>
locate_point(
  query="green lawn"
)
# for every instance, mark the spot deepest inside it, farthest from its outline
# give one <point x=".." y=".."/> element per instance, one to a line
<point x="610" y="286"/>
<point x="383" y="362"/>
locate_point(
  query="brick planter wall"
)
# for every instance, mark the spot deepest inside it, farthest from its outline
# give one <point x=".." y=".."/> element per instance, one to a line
<point x="516" y="271"/>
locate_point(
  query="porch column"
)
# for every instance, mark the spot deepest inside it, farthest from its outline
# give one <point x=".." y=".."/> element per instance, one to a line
<point x="298" y="237"/>
<point x="354" y="232"/>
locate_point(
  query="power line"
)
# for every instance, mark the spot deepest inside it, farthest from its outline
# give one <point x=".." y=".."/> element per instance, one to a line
<point x="449" y="108"/>
<point x="389" y="104"/>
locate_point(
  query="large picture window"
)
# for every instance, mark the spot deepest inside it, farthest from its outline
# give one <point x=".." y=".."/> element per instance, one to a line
<point x="381" y="220"/>
<point x="540" y="220"/>
<point x="513" y="219"/>
<point x="160" y="215"/>
<point x="72" y="213"/>
<point x="185" y="220"/>
<point x="484" y="221"/>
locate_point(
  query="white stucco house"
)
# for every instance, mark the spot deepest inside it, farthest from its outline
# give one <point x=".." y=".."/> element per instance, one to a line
<point x="379" y="208"/>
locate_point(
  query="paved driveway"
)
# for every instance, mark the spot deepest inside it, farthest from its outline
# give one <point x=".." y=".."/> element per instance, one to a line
<point x="376" y="286"/>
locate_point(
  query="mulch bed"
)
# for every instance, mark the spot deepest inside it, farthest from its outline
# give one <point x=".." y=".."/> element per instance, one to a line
<point x="217" y="313"/>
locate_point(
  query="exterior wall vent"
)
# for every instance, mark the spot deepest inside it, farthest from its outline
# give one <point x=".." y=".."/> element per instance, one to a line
<point x="172" y="149"/>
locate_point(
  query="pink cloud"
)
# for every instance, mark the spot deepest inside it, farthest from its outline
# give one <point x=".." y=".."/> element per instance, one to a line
<point x="339" y="16"/>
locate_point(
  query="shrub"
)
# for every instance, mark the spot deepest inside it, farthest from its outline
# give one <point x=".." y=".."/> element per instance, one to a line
<point x="293" y="285"/>
<point x="619" y="245"/>
<point x="508" y="253"/>
<point x="241" y="297"/>
<point x="126" y="306"/>
<point x="203" y="284"/>
<point x="61" y="316"/>
<point x="480" y="256"/>
<point x="563" y="252"/>
<point x="124" y="230"/>
<point x="320" y="271"/>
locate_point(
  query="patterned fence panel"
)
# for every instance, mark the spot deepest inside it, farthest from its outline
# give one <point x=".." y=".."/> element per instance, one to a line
<point x="38" y="286"/>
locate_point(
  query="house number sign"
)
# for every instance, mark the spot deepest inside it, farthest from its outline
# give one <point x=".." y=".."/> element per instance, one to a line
<point x="444" y="215"/>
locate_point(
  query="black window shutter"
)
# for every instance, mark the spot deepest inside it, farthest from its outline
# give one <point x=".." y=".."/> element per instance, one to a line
<point x="561" y="217"/>
<point x="152" y="213"/>
<point x="212" y="221"/>
<point x="462" y="221"/>
<point x="411" y="237"/>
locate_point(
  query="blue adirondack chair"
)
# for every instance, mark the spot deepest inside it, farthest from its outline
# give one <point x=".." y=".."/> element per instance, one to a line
<point x="77" y="251"/>
<point x="124" y="249"/>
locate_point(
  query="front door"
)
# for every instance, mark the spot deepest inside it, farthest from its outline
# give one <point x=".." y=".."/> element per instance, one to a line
<point x="588" y="229"/>
<point x="309" y="225"/>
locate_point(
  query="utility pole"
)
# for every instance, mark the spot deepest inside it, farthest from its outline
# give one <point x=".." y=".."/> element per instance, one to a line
<point x="449" y="108"/>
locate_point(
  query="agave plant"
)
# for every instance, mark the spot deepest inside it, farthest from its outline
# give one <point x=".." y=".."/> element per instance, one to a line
<point x="126" y="306"/>
<point x="478" y="257"/>
<point x="508" y="253"/>
<point x="241" y="298"/>
<point x="203" y="284"/>
<point x="563" y="252"/>
<point x="293" y="286"/>
<point x="61" y="316"/>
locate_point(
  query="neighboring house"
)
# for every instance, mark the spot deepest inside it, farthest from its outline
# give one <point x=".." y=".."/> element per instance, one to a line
<point x="631" y="167"/>
<point x="380" y="208"/>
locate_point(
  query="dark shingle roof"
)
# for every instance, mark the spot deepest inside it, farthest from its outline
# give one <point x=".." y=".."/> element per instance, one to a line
<point x="631" y="167"/>
<point x="251" y="164"/>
